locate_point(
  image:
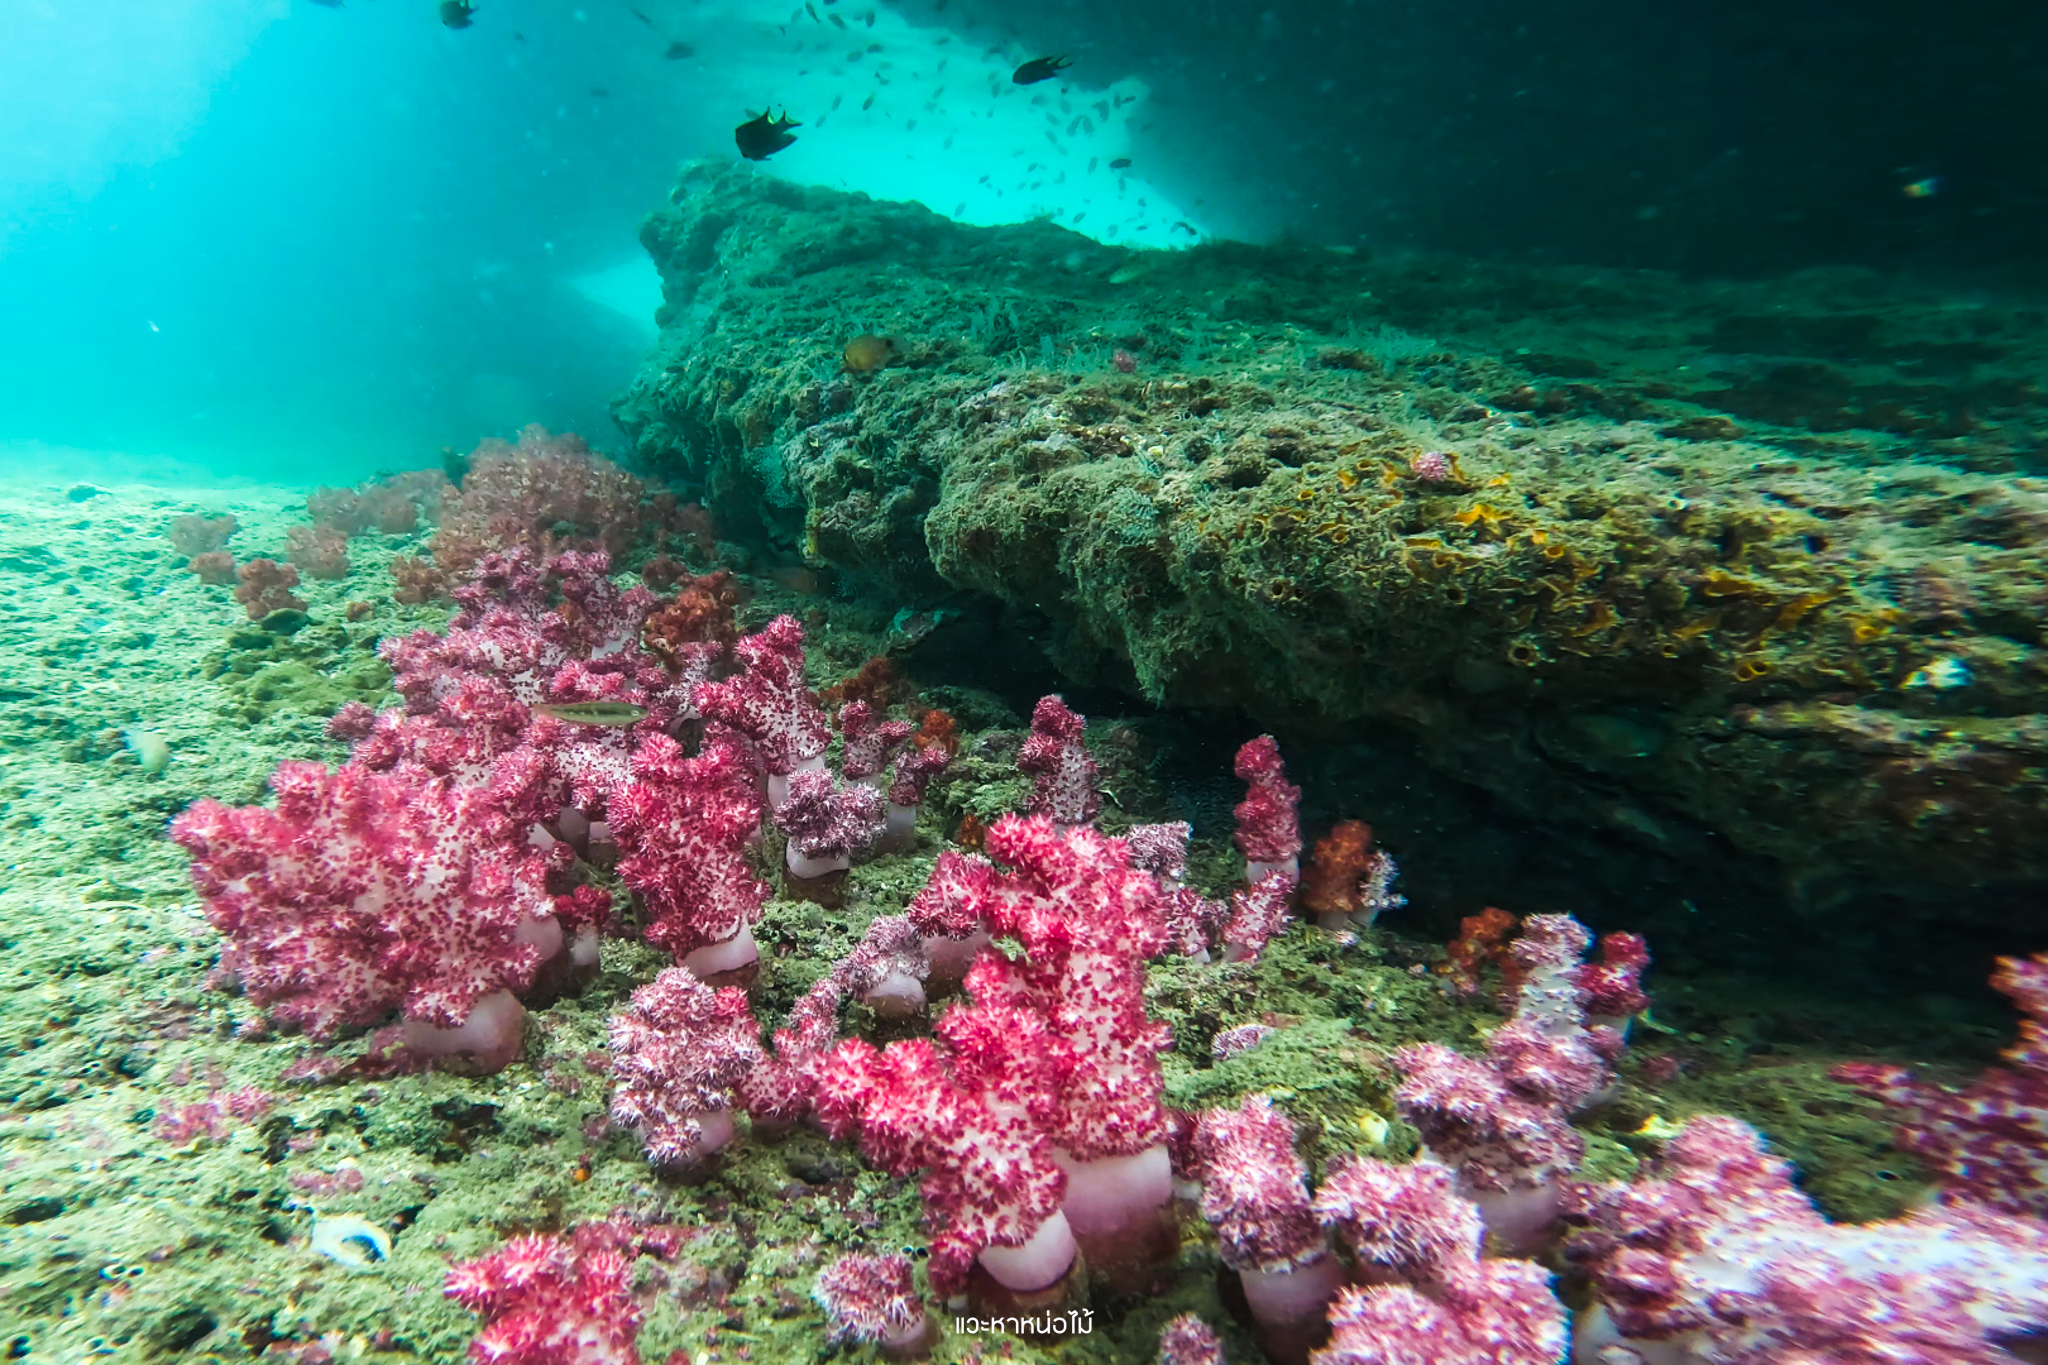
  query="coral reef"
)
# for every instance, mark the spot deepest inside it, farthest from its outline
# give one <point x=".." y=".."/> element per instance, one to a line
<point x="188" y="1181"/>
<point x="212" y="1155"/>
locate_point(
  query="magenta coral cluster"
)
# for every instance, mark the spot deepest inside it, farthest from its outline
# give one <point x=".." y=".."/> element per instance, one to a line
<point x="1719" y="1257"/>
<point x="1418" y="1291"/>
<point x="1425" y="1292"/>
<point x="427" y="881"/>
<point x="1062" y="772"/>
<point x="1610" y="986"/>
<point x="529" y="634"/>
<point x="1502" y="1121"/>
<point x="870" y="740"/>
<point x="550" y="1300"/>
<point x="364" y="893"/>
<point x="414" y="879"/>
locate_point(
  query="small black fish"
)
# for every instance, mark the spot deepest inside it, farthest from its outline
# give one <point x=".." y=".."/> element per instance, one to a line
<point x="599" y="92"/>
<point x="328" y="4"/>
<point x="677" y="51"/>
<point x="1119" y="163"/>
<point x="1040" y="69"/>
<point x="455" y="13"/>
<point x="641" y="17"/>
<point x="762" y="137"/>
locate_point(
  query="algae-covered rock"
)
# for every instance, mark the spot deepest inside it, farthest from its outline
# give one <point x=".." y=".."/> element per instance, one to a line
<point x="1718" y="572"/>
<point x="315" y="671"/>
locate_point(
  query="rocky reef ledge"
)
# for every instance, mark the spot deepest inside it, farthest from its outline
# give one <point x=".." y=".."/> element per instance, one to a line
<point x="1740" y="581"/>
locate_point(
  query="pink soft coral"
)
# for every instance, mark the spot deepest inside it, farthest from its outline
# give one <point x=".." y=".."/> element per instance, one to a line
<point x="677" y="1053"/>
<point x="366" y="893"/>
<point x="684" y="825"/>
<point x="1989" y="1142"/>
<point x="553" y="1300"/>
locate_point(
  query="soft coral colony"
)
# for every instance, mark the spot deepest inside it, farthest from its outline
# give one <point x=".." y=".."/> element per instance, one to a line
<point x="437" y="878"/>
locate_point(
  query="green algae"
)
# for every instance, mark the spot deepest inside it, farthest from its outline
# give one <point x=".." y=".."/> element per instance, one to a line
<point x="314" y="672"/>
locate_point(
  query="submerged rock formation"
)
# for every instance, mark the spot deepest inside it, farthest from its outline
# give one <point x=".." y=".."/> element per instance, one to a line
<point x="1730" y="572"/>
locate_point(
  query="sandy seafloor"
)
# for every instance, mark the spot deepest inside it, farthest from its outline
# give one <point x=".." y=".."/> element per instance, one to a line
<point x="119" y="1243"/>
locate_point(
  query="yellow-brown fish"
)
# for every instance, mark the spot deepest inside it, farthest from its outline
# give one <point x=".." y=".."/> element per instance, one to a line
<point x="867" y="353"/>
<point x="608" y="713"/>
